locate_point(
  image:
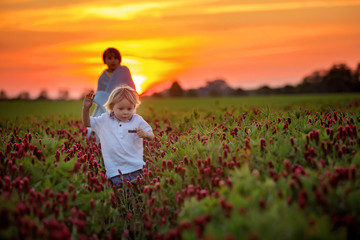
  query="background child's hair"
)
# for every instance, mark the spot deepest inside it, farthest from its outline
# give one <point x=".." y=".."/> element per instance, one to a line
<point x="112" y="51"/>
<point x="119" y="93"/>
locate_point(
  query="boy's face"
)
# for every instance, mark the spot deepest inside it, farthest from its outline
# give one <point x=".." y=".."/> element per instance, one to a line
<point x="123" y="110"/>
<point x="111" y="62"/>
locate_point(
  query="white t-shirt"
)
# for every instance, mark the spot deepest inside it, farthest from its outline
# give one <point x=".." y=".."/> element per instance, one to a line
<point x="120" y="149"/>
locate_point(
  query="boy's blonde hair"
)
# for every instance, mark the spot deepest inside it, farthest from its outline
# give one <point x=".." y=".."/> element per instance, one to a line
<point x="119" y="93"/>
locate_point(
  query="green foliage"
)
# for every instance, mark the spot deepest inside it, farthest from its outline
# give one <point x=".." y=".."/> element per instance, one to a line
<point x="242" y="168"/>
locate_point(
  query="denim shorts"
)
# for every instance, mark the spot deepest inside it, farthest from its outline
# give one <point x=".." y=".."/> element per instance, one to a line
<point x="118" y="180"/>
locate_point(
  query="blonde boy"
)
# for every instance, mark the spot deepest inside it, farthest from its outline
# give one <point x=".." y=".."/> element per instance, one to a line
<point x="120" y="131"/>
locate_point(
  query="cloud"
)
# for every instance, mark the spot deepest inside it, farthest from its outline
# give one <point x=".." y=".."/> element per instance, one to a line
<point x="276" y="6"/>
<point x="129" y="11"/>
<point x="56" y="16"/>
<point x="202" y="9"/>
<point x="16" y="41"/>
<point x="15" y="5"/>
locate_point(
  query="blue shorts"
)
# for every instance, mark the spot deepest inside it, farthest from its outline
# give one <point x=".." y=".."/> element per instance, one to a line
<point x="118" y="180"/>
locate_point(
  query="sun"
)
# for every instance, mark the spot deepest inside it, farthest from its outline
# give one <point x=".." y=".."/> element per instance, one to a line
<point x="139" y="80"/>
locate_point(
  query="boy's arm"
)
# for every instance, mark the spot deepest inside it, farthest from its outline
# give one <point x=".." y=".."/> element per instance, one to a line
<point x="86" y="117"/>
<point x="150" y="136"/>
<point x="86" y="108"/>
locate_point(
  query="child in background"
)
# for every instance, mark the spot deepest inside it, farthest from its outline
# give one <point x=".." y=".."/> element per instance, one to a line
<point x="120" y="131"/>
<point x="115" y="75"/>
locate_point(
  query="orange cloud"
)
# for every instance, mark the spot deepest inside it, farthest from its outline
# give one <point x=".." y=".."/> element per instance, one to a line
<point x="276" y="6"/>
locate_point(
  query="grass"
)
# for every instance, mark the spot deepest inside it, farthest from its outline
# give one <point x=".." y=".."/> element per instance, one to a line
<point x="276" y="173"/>
<point x="14" y="109"/>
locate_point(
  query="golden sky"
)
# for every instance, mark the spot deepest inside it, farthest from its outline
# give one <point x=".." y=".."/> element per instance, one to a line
<point x="58" y="44"/>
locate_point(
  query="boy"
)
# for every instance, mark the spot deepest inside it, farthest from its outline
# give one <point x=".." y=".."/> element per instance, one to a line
<point x="120" y="131"/>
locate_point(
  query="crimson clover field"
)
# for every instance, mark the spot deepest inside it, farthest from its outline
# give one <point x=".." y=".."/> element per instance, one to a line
<point x="275" y="167"/>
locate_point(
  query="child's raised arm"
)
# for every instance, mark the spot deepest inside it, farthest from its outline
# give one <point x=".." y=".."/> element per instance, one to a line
<point x="88" y="100"/>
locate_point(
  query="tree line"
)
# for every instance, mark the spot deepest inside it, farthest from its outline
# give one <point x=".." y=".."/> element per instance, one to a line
<point x="43" y="95"/>
<point x="338" y="79"/>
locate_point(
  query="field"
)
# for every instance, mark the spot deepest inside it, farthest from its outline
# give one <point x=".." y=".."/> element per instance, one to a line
<point x="272" y="167"/>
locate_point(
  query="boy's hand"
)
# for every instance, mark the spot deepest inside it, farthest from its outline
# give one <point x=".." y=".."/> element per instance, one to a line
<point x="141" y="133"/>
<point x="88" y="100"/>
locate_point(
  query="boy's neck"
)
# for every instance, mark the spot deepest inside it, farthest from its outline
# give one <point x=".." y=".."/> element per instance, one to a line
<point x="112" y="115"/>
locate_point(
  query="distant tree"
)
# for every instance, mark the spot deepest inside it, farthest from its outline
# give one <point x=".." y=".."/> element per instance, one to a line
<point x="215" y="93"/>
<point x="158" y="95"/>
<point x="192" y="93"/>
<point x="239" y="92"/>
<point x="315" y="78"/>
<point x="288" y="89"/>
<point x="23" y="96"/>
<point x="217" y="84"/>
<point x="43" y="95"/>
<point x="311" y="83"/>
<point x="264" y="90"/>
<point x="176" y="90"/>
<point x="3" y="95"/>
<point x="63" y="94"/>
<point x="218" y="87"/>
<point x="357" y="74"/>
<point x="338" y="79"/>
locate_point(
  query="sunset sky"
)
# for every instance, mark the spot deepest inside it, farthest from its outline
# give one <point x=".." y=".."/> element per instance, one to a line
<point x="58" y="44"/>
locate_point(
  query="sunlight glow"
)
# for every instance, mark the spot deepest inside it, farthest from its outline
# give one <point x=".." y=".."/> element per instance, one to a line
<point x="151" y="61"/>
<point x="46" y="18"/>
<point x="126" y="12"/>
<point x="139" y="80"/>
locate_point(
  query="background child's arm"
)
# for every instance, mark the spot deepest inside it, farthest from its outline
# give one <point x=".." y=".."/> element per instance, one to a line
<point x="88" y="100"/>
<point x="142" y="134"/>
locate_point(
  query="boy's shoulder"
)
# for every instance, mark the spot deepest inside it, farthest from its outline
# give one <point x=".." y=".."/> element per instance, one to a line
<point x="137" y="117"/>
<point x="104" y="115"/>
